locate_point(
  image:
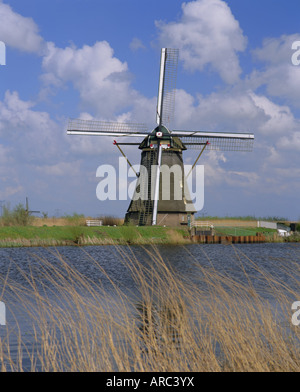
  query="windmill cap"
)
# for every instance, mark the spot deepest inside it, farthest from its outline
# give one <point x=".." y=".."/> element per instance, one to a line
<point x="161" y="132"/>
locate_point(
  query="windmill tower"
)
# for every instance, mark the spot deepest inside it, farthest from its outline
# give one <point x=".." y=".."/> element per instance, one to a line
<point x="161" y="195"/>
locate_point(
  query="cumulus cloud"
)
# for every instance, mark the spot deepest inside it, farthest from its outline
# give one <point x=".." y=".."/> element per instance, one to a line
<point x="279" y="76"/>
<point x="34" y="154"/>
<point x="290" y="142"/>
<point x="207" y="35"/>
<point x="222" y="111"/>
<point x="279" y="118"/>
<point x="102" y="80"/>
<point x="19" y="32"/>
<point x="27" y="132"/>
<point x="276" y="50"/>
<point x="61" y="169"/>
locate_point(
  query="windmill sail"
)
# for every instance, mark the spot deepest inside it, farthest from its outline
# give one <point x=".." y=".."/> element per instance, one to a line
<point x="219" y="141"/>
<point x="106" y="128"/>
<point x="167" y="86"/>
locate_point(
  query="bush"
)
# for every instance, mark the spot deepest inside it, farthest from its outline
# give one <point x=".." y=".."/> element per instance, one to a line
<point x="17" y="217"/>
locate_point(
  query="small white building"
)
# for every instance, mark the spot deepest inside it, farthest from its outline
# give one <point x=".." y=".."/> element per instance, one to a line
<point x="283" y="233"/>
<point x="282" y="229"/>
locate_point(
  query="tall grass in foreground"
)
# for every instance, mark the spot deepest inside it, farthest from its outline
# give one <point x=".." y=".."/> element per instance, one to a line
<point x="209" y="323"/>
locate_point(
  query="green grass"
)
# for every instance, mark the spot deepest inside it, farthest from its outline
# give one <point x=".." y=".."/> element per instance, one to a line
<point x="244" y="218"/>
<point x="242" y="231"/>
<point x="82" y="235"/>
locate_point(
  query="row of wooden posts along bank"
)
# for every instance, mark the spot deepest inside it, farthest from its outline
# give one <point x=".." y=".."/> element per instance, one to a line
<point x="228" y="239"/>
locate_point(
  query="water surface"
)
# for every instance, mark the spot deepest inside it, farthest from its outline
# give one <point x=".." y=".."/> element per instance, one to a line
<point x="111" y="267"/>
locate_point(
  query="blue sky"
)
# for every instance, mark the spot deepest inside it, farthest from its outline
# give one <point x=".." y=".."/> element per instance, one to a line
<point x="100" y="59"/>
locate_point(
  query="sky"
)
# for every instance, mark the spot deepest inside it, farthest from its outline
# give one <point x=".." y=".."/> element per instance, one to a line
<point x="99" y="59"/>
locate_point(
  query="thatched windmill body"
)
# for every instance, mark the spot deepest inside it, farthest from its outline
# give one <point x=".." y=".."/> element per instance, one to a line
<point x="161" y="195"/>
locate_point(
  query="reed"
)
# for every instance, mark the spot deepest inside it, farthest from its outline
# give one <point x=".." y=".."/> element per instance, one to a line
<point x="210" y="322"/>
<point x="111" y="221"/>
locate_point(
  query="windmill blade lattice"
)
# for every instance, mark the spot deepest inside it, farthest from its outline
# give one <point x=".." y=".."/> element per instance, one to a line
<point x="218" y="143"/>
<point x="167" y="86"/>
<point x="106" y="128"/>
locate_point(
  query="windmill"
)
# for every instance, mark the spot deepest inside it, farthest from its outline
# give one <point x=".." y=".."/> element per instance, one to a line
<point x="162" y="148"/>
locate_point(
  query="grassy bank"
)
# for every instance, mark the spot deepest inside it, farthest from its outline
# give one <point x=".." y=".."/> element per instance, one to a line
<point x="30" y="236"/>
<point x="82" y="235"/>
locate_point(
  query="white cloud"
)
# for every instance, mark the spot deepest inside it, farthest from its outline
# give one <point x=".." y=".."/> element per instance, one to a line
<point x="280" y="77"/>
<point x="276" y="50"/>
<point x="32" y="135"/>
<point x="279" y="118"/>
<point x="61" y="169"/>
<point x="5" y="155"/>
<point x="234" y="111"/>
<point x="290" y="142"/>
<point x="102" y="80"/>
<point x="7" y="171"/>
<point x="18" y="31"/>
<point x="276" y="145"/>
<point x="9" y="191"/>
<point x="136" y="44"/>
<point x="35" y="157"/>
<point x="239" y="111"/>
<point x="206" y="34"/>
